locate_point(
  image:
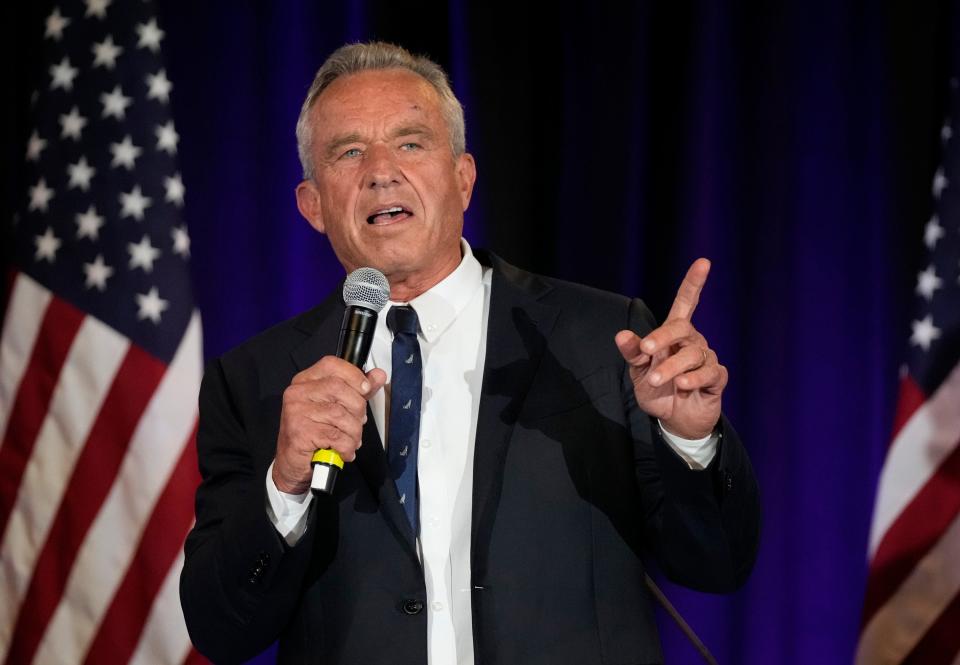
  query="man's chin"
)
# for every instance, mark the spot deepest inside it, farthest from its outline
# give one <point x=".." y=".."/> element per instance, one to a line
<point x="388" y="264"/>
<point x="410" y="262"/>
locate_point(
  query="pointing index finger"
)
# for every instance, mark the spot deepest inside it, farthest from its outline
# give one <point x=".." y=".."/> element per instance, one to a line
<point x="688" y="295"/>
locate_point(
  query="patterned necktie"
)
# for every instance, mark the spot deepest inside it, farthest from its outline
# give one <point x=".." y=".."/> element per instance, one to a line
<point x="406" y="387"/>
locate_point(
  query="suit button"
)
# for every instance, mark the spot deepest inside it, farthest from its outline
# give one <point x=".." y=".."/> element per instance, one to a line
<point x="729" y="482"/>
<point x="411" y="606"/>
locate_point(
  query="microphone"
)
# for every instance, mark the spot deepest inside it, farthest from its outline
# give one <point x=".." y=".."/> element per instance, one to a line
<point x="365" y="292"/>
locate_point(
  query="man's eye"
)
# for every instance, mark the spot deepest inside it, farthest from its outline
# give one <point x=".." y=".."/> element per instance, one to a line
<point x="410" y="145"/>
<point x="352" y="152"/>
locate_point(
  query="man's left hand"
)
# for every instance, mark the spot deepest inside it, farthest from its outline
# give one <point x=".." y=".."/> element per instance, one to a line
<point x="676" y="375"/>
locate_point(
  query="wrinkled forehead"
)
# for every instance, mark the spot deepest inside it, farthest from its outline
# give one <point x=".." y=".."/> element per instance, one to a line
<point x="376" y="91"/>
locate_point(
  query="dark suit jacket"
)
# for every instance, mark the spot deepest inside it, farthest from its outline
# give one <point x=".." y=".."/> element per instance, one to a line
<point x="571" y="486"/>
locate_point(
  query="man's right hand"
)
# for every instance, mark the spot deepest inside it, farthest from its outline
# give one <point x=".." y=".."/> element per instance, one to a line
<point x="325" y="406"/>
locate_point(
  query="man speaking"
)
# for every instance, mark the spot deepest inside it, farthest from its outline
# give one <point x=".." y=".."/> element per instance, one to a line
<point x="513" y="445"/>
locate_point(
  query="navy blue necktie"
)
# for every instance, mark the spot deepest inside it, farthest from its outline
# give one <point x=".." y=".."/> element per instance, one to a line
<point x="406" y="387"/>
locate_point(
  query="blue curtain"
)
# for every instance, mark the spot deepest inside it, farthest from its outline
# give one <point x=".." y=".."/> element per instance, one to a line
<point x="792" y="144"/>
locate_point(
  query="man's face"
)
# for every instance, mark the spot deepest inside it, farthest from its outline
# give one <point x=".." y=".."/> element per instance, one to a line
<point x="387" y="190"/>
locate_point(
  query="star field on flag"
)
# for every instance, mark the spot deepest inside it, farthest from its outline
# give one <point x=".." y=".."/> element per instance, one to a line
<point x="105" y="143"/>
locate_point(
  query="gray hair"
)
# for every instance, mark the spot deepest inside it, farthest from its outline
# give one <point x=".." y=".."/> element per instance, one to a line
<point x="354" y="58"/>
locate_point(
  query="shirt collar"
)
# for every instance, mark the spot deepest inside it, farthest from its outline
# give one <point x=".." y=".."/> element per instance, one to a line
<point x="440" y="306"/>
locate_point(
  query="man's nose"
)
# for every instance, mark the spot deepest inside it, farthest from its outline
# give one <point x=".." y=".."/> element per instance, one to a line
<point x="382" y="169"/>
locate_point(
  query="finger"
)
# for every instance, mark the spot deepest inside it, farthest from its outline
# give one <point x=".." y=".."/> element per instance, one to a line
<point x="628" y="343"/>
<point x="336" y="416"/>
<point x="335" y="389"/>
<point x="688" y="295"/>
<point x="343" y="437"/>
<point x="309" y="426"/>
<point x="686" y="359"/>
<point x="377" y="378"/>
<point x="673" y="331"/>
<point x="711" y="378"/>
<point x="330" y="389"/>
<point x="333" y="366"/>
<point x="331" y="438"/>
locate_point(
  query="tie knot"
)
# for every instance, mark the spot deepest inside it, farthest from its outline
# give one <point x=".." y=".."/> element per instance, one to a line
<point x="402" y="320"/>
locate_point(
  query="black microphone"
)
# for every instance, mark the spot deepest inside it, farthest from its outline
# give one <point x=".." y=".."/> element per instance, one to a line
<point x="365" y="292"/>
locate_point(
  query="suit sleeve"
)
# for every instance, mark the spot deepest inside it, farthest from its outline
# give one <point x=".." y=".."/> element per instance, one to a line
<point x="240" y="583"/>
<point x="702" y="525"/>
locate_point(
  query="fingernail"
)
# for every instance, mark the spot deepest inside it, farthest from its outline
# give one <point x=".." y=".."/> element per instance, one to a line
<point x="648" y="345"/>
<point x="655" y="379"/>
<point x="365" y="386"/>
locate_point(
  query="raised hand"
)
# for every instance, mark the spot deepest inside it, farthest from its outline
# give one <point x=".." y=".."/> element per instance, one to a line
<point x="676" y="375"/>
<point x="325" y="406"/>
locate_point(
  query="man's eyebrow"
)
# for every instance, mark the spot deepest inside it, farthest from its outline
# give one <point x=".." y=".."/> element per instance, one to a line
<point x="337" y="142"/>
<point x="407" y="130"/>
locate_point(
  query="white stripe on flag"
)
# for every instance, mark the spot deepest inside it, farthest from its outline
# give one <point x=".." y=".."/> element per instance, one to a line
<point x="111" y="543"/>
<point x="86" y="377"/>
<point x="165" y="638"/>
<point x="28" y="303"/>
<point x="900" y="624"/>
<point x="914" y="456"/>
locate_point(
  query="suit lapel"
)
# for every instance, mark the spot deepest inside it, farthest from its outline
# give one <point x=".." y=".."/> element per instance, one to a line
<point x="517" y="331"/>
<point x="324" y="332"/>
<point x="322" y="327"/>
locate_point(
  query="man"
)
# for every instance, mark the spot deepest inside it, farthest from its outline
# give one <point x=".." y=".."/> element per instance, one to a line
<point x="559" y="436"/>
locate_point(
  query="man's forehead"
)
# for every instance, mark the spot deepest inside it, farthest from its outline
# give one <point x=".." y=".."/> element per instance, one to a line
<point x="375" y="100"/>
<point x="377" y="86"/>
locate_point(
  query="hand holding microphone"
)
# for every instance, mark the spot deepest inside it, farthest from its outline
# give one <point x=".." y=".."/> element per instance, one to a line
<point x="324" y="407"/>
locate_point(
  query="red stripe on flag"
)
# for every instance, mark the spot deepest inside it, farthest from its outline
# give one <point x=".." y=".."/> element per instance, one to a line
<point x="920" y="525"/>
<point x="939" y="645"/>
<point x="909" y="399"/>
<point x="93" y="476"/>
<point x="194" y="658"/>
<point x="159" y="546"/>
<point x="60" y="324"/>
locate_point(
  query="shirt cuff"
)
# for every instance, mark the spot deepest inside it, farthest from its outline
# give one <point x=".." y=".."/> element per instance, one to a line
<point x="287" y="512"/>
<point x="697" y="453"/>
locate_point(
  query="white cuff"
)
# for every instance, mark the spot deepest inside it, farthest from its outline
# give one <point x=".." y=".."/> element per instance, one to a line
<point x="697" y="453"/>
<point x="287" y="512"/>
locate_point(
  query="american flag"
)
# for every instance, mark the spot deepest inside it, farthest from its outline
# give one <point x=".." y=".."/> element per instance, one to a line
<point x="100" y="361"/>
<point x="912" y="605"/>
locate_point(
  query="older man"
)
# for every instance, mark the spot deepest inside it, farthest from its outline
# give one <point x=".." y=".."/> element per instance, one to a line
<point x="559" y="436"/>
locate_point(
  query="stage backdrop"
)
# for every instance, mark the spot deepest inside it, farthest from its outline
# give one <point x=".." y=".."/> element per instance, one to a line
<point x="794" y="146"/>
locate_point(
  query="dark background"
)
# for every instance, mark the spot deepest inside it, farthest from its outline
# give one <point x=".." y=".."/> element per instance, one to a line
<point x="792" y="143"/>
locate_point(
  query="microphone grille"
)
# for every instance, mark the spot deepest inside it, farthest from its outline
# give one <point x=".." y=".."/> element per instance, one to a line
<point x="366" y="287"/>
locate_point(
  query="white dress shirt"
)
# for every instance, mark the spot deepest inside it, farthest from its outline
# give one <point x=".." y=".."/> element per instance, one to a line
<point x="453" y="329"/>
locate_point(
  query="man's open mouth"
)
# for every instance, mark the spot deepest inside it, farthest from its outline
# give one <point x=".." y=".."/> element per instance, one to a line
<point x="389" y="215"/>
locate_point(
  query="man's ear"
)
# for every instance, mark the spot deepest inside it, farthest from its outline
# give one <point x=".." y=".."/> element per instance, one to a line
<point x="466" y="176"/>
<point x="308" y="203"/>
